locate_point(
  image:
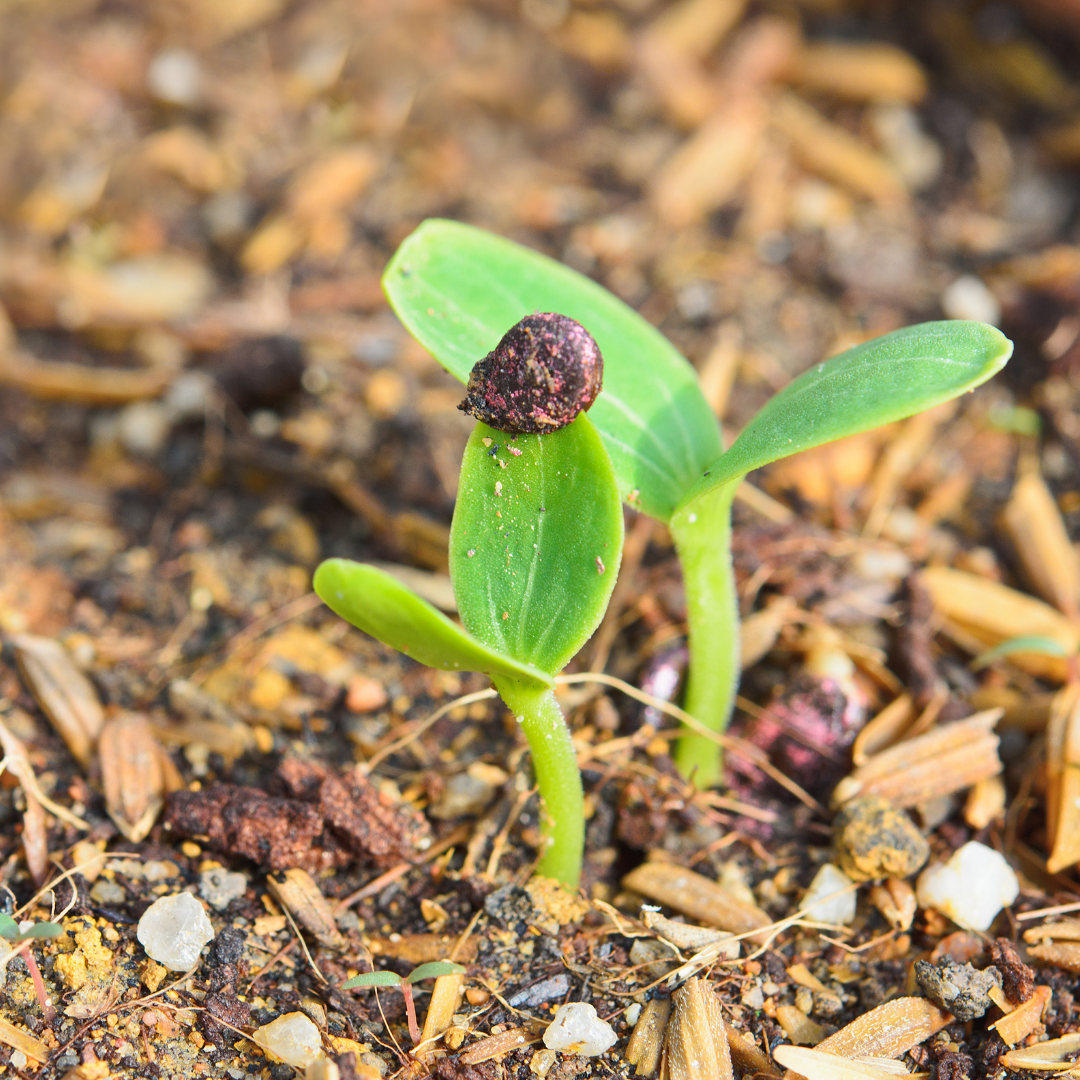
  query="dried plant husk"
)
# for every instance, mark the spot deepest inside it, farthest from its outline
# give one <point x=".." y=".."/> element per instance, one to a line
<point x="136" y="773"/>
<point x="696" y="896"/>
<point x="696" y="1047"/>
<point x="884" y="730"/>
<point x="1020" y="1023"/>
<point x="297" y="891"/>
<point x="1062" y="930"/>
<point x="896" y="900"/>
<point x="991" y="613"/>
<point x="1063" y="778"/>
<point x="1064" y="954"/>
<point x="821" y="1065"/>
<point x="889" y="1031"/>
<point x="1056" y="1055"/>
<point x="495" y="1046"/>
<point x="946" y="759"/>
<point x="65" y="694"/>
<point x="445" y="996"/>
<point x="1035" y="526"/>
<point x="646" y="1042"/>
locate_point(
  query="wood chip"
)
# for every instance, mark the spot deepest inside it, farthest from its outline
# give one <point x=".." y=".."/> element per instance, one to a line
<point x="947" y="759"/>
<point x="685" y="936"/>
<point x="65" y="694"/>
<point x="994" y="613"/>
<point x="136" y="773"/>
<point x="494" y="1046"/>
<point x="884" y="730"/>
<point x="888" y="1031"/>
<point x="445" y="997"/>
<point x="297" y="891"/>
<point x="418" y="949"/>
<point x="18" y="1039"/>
<point x="696" y="1047"/>
<point x="746" y="1055"/>
<point x="697" y="896"/>
<point x="646" y="1042"/>
<point x="1023" y="1020"/>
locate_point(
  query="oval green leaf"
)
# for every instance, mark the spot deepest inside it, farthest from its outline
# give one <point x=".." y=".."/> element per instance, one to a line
<point x="9" y="928"/>
<point x="536" y="541"/>
<point x="458" y="289"/>
<point x="44" y="930"/>
<point x="381" y="606"/>
<point x="434" y="970"/>
<point x="883" y="380"/>
<point x="373" y="978"/>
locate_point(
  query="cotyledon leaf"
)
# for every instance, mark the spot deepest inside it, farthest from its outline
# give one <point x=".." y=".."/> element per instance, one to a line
<point x="381" y="606"/>
<point x="536" y="541"/>
<point x="458" y="289"/>
<point x="887" y="379"/>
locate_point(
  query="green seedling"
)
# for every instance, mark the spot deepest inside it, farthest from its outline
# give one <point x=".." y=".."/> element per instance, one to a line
<point x="458" y="289"/>
<point x="22" y="936"/>
<point x="535" y="545"/>
<point x="390" y="978"/>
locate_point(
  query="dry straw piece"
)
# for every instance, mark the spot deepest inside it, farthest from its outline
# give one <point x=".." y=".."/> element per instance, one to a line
<point x="65" y="694"/>
<point x="495" y="1046"/>
<point x="821" y="1065"/>
<point x="1056" y="1055"/>
<point x="944" y="760"/>
<point x="696" y="1047"/>
<point x="136" y="774"/>
<point x="896" y="901"/>
<point x="1023" y="1020"/>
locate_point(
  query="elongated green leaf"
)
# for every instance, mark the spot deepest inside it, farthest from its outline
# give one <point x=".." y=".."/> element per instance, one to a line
<point x="381" y="606"/>
<point x="373" y="978"/>
<point x="44" y="930"/>
<point x="1031" y="643"/>
<point x="536" y="541"/>
<point x="875" y="383"/>
<point x="434" y="970"/>
<point x="458" y="289"/>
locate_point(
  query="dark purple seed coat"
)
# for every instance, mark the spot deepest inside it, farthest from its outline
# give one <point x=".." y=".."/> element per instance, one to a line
<point x="545" y="371"/>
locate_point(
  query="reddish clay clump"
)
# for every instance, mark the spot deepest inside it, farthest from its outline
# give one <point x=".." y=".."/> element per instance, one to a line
<point x="545" y="371"/>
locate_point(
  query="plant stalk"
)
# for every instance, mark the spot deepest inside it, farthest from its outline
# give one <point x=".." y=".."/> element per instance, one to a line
<point x="702" y="534"/>
<point x="557" y="777"/>
<point x="35" y="977"/>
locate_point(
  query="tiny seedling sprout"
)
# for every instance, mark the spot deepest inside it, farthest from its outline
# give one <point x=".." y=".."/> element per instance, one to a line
<point x="535" y="546"/>
<point x="22" y="935"/>
<point x="457" y="289"/>
<point x="405" y="985"/>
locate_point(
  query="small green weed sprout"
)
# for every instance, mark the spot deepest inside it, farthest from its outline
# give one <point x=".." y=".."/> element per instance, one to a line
<point x="22" y="936"/>
<point x="390" y="978"/>
<point x="535" y="546"/>
<point x="458" y="288"/>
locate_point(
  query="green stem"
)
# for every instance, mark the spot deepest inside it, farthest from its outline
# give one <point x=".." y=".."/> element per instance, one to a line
<point x="702" y="534"/>
<point x="557" y="777"/>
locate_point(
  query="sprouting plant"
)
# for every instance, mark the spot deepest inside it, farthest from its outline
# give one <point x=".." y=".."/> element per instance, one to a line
<point x="458" y="288"/>
<point x="405" y="985"/>
<point x="535" y="546"/>
<point x="22" y="935"/>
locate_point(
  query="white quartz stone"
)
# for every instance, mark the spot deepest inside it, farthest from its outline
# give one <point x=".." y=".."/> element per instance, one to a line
<point x="173" y="931"/>
<point x="968" y="298"/>
<point x="293" y="1037"/>
<point x="822" y="904"/>
<point x="971" y="888"/>
<point x="577" y="1029"/>
<point x="218" y="887"/>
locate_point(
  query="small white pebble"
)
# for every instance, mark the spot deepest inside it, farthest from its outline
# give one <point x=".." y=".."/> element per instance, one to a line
<point x="968" y="298"/>
<point x="173" y="931"/>
<point x="218" y="887"/>
<point x="577" y="1029"/>
<point x="293" y="1038"/>
<point x="175" y="76"/>
<point x="971" y="888"/>
<point x="631" y="1015"/>
<point x="822" y="904"/>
